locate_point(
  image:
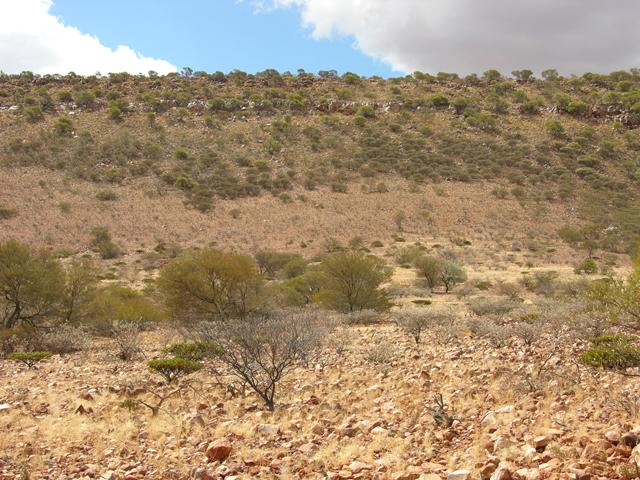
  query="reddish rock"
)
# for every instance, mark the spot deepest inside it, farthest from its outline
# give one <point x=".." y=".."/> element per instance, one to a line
<point x="219" y="450"/>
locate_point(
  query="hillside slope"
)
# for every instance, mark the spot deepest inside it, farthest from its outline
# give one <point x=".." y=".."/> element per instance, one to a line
<point x="303" y="158"/>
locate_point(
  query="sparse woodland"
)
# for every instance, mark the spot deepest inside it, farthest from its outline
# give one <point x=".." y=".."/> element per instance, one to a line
<point x="208" y="276"/>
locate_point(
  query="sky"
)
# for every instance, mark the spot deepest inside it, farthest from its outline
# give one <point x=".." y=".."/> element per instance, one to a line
<point x="369" y="37"/>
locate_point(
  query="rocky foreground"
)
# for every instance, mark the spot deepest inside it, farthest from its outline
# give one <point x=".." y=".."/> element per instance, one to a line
<point x="368" y="407"/>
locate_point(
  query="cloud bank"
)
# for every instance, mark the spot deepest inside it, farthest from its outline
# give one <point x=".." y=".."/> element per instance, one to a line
<point x="31" y="38"/>
<point x="466" y="36"/>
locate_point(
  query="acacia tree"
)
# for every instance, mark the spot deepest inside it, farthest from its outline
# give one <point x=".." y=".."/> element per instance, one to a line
<point x="351" y="282"/>
<point x="31" y="285"/>
<point x="451" y="275"/>
<point x="211" y="284"/>
<point x="80" y="287"/>
<point x="587" y="237"/>
<point x="430" y="268"/>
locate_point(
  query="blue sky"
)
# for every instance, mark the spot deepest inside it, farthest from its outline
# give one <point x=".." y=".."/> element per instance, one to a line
<point x="215" y="35"/>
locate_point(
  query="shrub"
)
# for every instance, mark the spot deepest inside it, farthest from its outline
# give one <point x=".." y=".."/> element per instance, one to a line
<point x="7" y="213"/>
<point x="413" y="324"/>
<point x="103" y="244"/>
<point x="63" y="127"/>
<point x="270" y="263"/>
<point x="554" y="128"/>
<point x="262" y="349"/>
<point x="113" y="307"/>
<point x="613" y="352"/>
<point x="174" y="368"/>
<point x="63" y="339"/>
<point x="33" y="113"/>
<point x="196" y="351"/>
<point x="127" y="337"/>
<point x="588" y="265"/>
<point x="351" y="281"/>
<point x="30" y="359"/>
<point x="106" y="195"/>
<point x="211" y="283"/>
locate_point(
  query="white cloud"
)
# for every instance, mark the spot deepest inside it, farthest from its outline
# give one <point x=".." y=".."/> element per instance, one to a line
<point x="467" y="36"/>
<point x="31" y="38"/>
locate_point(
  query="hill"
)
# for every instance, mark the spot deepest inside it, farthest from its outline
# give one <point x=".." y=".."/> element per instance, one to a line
<point x="277" y="160"/>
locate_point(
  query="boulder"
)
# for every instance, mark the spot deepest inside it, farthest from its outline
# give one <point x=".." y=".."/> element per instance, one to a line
<point x="219" y="450"/>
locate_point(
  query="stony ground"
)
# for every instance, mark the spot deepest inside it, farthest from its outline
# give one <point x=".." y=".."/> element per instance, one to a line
<point x="366" y="412"/>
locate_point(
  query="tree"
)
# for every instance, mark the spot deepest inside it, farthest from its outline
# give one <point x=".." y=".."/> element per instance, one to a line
<point x="551" y="74"/>
<point x="430" y="268"/>
<point x="351" y="282"/>
<point x="586" y="237"/>
<point x="31" y="285"/>
<point x="492" y="75"/>
<point x="211" y="284"/>
<point x="261" y="349"/>
<point x="523" y="75"/>
<point x="80" y="287"/>
<point x="451" y="275"/>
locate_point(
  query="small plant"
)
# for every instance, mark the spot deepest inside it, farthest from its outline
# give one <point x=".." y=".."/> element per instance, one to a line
<point x="106" y="195"/>
<point x="613" y="352"/>
<point x="174" y="368"/>
<point x="30" y="359"/>
<point x="439" y="412"/>
<point x="195" y="351"/>
<point x="7" y="213"/>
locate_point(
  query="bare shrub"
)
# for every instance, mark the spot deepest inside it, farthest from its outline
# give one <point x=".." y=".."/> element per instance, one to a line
<point x="484" y="307"/>
<point x="413" y="323"/>
<point x="63" y="339"/>
<point x="261" y="349"/>
<point x="508" y="289"/>
<point x="363" y="317"/>
<point x="340" y="340"/>
<point x="446" y="329"/>
<point x="380" y="353"/>
<point x="127" y="338"/>
<point x="497" y="335"/>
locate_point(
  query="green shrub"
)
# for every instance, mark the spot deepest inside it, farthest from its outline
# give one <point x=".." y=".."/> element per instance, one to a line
<point x="613" y="352"/>
<point x="33" y="113"/>
<point x="103" y="244"/>
<point x="554" y="128"/>
<point x="7" y="213"/>
<point x="174" y="368"/>
<point x="29" y="358"/>
<point x="588" y="265"/>
<point x="63" y="127"/>
<point x="106" y="195"/>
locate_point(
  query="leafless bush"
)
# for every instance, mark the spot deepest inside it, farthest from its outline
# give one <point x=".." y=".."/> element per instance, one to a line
<point x="446" y="329"/>
<point x="362" y="317"/>
<point x="413" y="323"/>
<point x="380" y="353"/>
<point x="63" y="339"/>
<point x="340" y="340"/>
<point x="483" y="307"/>
<point x="508" y="289"/>
<point x="127" y="338"/>
<point x="497" y="334"/>
<point x="260" y="350"/>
